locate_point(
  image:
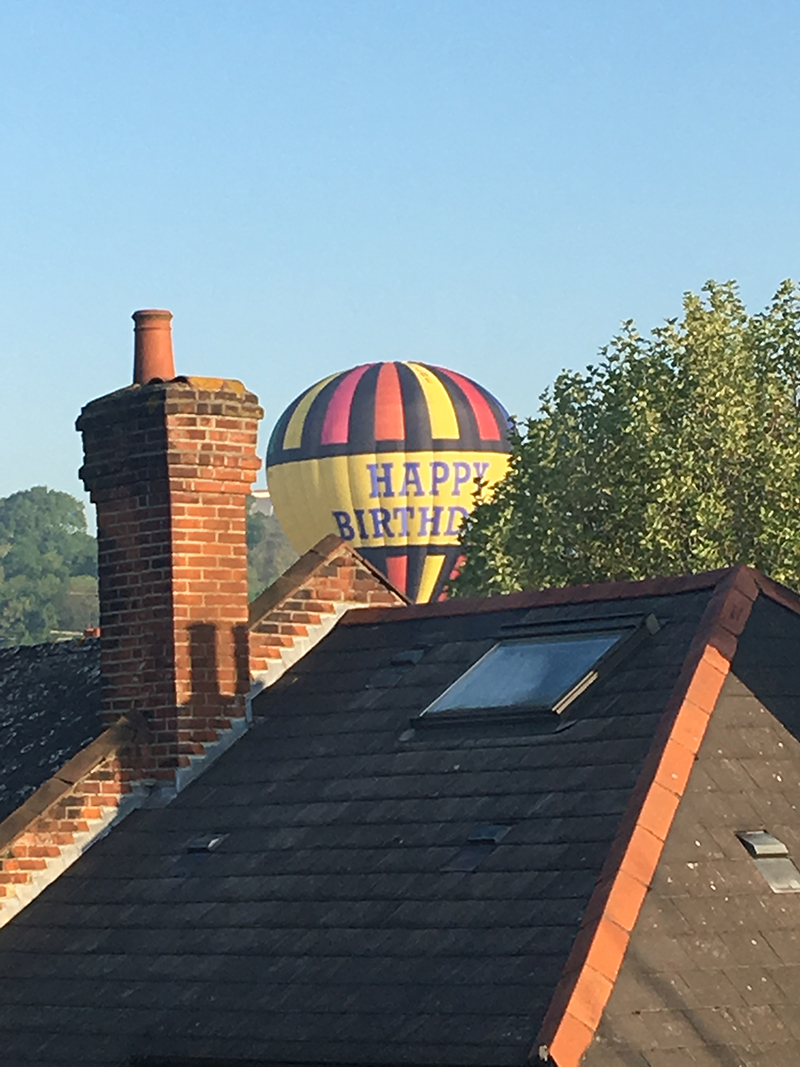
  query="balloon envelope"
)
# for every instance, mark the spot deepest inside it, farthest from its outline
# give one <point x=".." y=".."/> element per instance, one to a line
<point x="388" y="456"/>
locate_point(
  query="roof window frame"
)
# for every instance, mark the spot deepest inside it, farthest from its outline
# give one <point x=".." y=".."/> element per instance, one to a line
<point x="640" y="626"/>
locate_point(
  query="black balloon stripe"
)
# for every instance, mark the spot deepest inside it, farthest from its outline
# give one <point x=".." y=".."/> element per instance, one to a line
<point x="469" y="437"/>
<point x="361" y="420"/>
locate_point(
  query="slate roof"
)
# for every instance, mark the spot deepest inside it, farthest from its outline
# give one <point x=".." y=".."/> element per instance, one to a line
<point x="49" y="709"/>
<point x="712" y="973"/>
<point x="326" y="927"/>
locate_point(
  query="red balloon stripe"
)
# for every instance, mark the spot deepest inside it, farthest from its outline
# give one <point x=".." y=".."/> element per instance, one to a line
<point x="390" y="422"/>
<point x="397" y="571"/>
<point x="336" y="427"/>
<point x="484" y="416"/>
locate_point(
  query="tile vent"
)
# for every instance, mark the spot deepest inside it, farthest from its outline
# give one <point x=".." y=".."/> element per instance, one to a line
<point x="206" y="843"/>
<point x="482" y="841"/>
<point x="759" y="843"/>
<point x="771" y="857"/>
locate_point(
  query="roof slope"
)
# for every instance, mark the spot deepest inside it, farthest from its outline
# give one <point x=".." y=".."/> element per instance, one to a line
<point x="712" y="973"/>
<point x="325" y="926"/>
<point x="49" y="709"/>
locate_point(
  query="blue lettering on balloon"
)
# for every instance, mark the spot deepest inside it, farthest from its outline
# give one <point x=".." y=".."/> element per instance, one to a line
<point x="380" y="522"/>
<point x="359" y="514"/>
<point x="455" y="512"/>
<point x="376" y="479"/>
<point x="429" y="525"/>
<point x="462" y="472"/>
<point x="440" y="472"/>
<point x="404" y="514"/>
<point x="346" y="531"/>
<point x="411" y="477"/>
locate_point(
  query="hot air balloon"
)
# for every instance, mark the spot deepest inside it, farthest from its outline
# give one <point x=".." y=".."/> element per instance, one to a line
<point x="387" y="456"/>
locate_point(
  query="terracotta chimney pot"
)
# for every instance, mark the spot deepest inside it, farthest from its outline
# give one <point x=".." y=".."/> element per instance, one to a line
<point x="152" y="352"/>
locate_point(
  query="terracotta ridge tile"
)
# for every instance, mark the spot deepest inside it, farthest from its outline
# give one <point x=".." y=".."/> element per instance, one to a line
<point x="552" y="597"/>
<point x="597" y="953"/>
<point x="781" y="594"/>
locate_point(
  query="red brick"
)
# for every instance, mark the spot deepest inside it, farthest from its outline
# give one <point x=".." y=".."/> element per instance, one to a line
<point x="305" y="618"/>
<point x="193" y="511"/>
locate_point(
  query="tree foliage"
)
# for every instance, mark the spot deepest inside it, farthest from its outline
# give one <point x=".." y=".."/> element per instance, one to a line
<point x="268" y="550"/>
<point x="677" y="452"/>
<point x="48" y="564"/>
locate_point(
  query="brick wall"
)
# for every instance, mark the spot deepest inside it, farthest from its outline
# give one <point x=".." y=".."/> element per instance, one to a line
<point x="47" y="833"/>
<point x="169" y="466"/>
<point x="305" y="603"/>
<point x="109" y="777"/>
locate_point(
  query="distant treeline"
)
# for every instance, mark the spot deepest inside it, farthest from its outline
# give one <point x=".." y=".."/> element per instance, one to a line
<point x="48" y="565"/>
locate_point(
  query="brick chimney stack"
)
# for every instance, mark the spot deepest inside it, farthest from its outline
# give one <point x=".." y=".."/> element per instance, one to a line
<point x="169" y="464"/>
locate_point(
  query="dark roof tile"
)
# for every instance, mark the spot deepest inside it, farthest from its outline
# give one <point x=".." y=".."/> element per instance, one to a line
<point x="324" y="919"/>
<point x="49" y="710"/>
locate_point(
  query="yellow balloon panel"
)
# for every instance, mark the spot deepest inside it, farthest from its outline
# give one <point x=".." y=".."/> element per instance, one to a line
<point x="388" y="499"/>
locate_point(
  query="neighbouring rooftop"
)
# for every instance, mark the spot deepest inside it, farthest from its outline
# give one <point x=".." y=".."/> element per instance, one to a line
<point x="49" y="710"/>
<point x="354" y="882"/>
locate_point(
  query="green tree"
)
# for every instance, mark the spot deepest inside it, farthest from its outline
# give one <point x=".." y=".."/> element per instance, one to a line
<point x="268" y="550"/>
<point x="678" y="452"/>
<point x="48" y="566"/>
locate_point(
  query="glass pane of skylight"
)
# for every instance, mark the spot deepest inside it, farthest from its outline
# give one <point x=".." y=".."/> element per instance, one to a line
<point x="532" y="671"/>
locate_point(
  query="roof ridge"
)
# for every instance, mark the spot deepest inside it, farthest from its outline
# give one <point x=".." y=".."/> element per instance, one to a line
<point x="590" y="972"/>
<point x="125" y="729"/>
<point x="556" y="595"/>
<point x="292" y="579"/>
<point x="781" y="594"/>
<point x="76" y="806"/>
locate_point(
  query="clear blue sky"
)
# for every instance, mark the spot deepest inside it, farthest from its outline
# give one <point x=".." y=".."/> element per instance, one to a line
<point x="310" y="184"/>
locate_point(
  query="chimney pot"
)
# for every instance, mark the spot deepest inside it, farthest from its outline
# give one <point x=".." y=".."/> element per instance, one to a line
<point x="152" y="351"/>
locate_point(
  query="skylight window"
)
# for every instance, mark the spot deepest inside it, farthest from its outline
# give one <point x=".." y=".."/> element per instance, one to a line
<point x="542" y="673"/>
